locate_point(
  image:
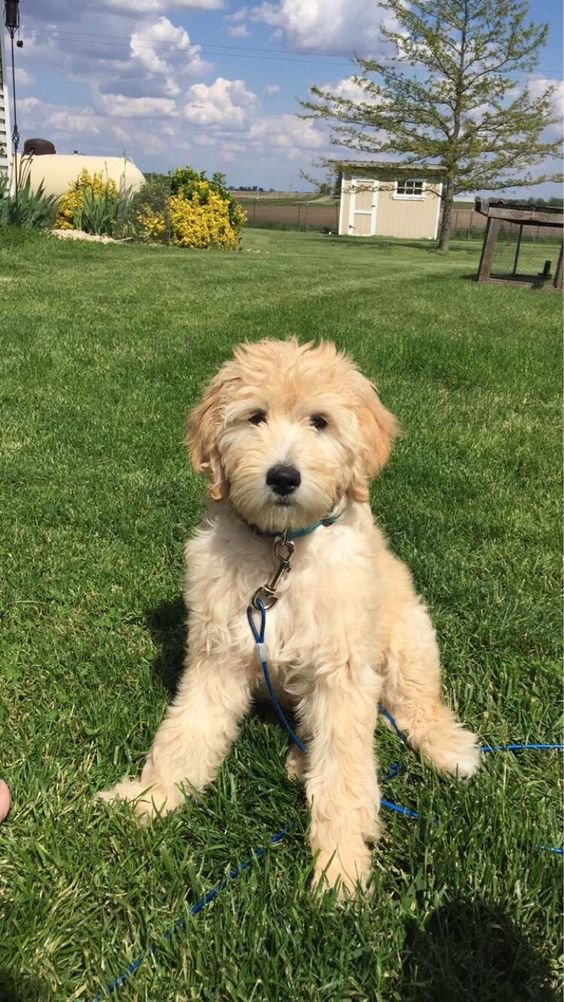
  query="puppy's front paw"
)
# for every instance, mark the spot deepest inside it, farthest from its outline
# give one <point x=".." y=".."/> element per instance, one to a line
<point x="347" y="869"/>
<point x="454" y="751"/>
<point x="148" y="800"/>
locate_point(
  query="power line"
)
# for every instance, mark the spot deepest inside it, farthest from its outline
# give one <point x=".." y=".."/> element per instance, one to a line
<point x="235" y="48"/>
<point x="244" y="52"/>
<point x="119" y="41"/>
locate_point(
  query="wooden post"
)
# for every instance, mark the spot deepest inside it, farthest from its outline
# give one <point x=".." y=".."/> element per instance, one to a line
<point x="484" y="270"/>
<point x="558" y="283"/>
<point x="305" y="217"/>
<point x="517" y="249"/>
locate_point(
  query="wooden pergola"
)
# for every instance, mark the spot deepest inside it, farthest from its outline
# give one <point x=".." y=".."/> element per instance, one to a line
<point x="500" y="211"/>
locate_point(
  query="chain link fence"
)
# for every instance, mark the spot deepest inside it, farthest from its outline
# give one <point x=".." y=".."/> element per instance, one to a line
<point x="294" y="216"/>
<point x="324" y="218"/>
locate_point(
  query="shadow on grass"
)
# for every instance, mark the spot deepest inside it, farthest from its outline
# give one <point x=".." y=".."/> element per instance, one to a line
<point x="169" y="630"/>
<point x="22" y="988"/>
<point x="532" y="282"/>
<point x="474" y="952"/>
<point x="167" y="624"/>
<point x="381" y="244"/>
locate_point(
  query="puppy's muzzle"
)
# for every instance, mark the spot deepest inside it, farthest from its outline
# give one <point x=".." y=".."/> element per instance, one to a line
<point x="283" y="479"/>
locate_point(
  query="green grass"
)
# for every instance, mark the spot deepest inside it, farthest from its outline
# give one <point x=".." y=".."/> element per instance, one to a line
<point x="532" y="255"/>
<point x="103" y="350"/>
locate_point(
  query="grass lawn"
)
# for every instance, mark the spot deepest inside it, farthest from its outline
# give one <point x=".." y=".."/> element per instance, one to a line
<point x="103" y="350"/>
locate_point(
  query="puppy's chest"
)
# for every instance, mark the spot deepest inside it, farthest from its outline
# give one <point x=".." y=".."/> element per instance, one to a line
<point x="323" y="606"/>
<point x="317" y="612"/>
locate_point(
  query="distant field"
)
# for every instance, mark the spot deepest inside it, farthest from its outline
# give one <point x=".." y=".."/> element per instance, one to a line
<point x="285" y="197"/>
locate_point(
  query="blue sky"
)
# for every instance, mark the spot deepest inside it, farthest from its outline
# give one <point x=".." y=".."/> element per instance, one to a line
<point x="209" y="82"/>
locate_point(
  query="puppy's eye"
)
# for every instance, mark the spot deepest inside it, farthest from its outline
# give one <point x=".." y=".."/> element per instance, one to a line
<point x="259" y="417"/>
<point x="318" y="421"/>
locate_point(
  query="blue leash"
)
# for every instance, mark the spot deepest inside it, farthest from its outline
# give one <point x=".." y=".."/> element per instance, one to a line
<point x="259" y="636"/>
<point x="278" y="836"/>
<point x="194" y="910"/>
<point x="526" y="747"/>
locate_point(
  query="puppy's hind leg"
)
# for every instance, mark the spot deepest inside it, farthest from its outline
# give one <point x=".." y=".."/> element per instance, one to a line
<point x="296" y="764"/>
<point x="412" y="694"/>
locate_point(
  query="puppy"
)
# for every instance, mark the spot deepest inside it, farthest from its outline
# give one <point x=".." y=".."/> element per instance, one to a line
<point x="290" y="437"/>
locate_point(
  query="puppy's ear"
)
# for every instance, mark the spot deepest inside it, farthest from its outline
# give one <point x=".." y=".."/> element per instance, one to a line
<point x="378" y="429"/>
<point x="203" y="425"/>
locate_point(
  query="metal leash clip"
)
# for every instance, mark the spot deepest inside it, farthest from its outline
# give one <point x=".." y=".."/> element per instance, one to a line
<point x="283" y="550"/>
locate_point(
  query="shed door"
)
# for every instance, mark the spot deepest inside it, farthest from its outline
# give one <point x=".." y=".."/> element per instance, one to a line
<point x="363" y="207"/>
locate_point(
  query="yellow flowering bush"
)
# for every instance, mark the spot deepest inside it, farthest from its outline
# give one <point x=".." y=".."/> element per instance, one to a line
<point x="151" y="223"/>
<point x="86" y="187"/>
<point x="201" y="222"/>
<point x="189" y="210"/>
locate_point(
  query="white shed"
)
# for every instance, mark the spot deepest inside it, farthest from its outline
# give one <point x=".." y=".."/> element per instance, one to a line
<point x="389" y="200"/>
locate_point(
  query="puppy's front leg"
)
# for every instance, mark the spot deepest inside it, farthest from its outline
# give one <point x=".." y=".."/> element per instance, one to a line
<point x="341" y="784"/>
<point x="194" y="737"/>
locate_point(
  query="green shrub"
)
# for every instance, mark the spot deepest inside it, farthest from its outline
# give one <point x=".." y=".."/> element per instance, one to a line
<point x="188" y="210"/>
<point x="151" y="203"/>
<point x="187" y="182"/>
<point x="30" y="210"/>
<point x="95" y="205"/>
<point x="98" y="213"/>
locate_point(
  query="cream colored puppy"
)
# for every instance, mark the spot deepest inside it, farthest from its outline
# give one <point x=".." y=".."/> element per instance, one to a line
<point x="288" y="435"/>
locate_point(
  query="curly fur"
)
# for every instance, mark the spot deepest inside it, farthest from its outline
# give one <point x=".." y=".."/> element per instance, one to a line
<point x="349" y="630"/>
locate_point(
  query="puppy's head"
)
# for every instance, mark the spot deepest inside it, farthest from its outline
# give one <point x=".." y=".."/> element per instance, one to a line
<point x="286" y="431"/>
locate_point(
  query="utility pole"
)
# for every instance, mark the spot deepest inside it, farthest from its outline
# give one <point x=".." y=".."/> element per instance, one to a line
<point x="5" y="139"/>
<point x="12" y="23"/>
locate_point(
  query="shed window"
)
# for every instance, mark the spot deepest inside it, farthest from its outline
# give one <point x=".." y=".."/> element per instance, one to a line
<point x="409" y="189"/>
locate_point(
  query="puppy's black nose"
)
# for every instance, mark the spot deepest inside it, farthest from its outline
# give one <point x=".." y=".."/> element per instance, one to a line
<point x="283" y="479"/>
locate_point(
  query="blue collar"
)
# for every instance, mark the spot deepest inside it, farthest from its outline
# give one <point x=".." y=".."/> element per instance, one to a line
<point x="292" y="534"/>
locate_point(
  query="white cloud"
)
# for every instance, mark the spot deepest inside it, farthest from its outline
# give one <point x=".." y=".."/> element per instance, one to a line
<point x="73" y="120"/>
<point x="325" y="25"/>
<point x="538" y="85"/>
<point x="287" y="132"/>
<point x="348" y="89"/>
<point x="227" y="131"/>
<point x="27" y="104"/>
<point x="135" y="107"/>
<point x="237" y="28"/>
<point x="145" y="96"/>
<point x="238" y="31"/>
<point x="239" y="15"/>
<point x="170" y="39"/>
<point x="224" y="102"/>
<point x="23" y="77"/>
<point x="204" y="139"/>
<point x="160" y="6"/>
<point x="148" y="57"/>
<point x="70" y="127"/>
